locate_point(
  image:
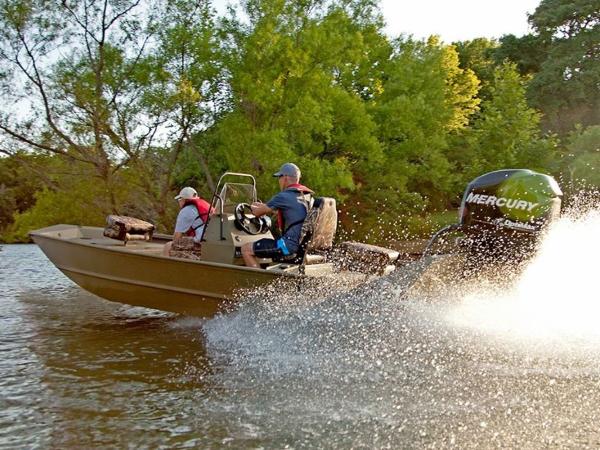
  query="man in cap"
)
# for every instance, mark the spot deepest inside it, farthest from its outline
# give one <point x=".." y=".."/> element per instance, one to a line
<point x="193" y="215"/>
<point x="291" y="205"/>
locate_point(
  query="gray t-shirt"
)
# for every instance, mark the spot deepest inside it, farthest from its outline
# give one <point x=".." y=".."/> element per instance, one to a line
<point x="293" y="206"/>
<point x="187" y="218"/>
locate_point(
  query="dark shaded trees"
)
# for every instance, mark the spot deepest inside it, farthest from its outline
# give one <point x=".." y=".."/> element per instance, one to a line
<point x="567" y="86"/>
<point x="580" y="163"/>
<point x="563" y="57"/>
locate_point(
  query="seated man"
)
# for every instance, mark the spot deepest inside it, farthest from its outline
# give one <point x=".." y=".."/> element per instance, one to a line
<point x="292" y="206"/>
<point x="193" y="215"/>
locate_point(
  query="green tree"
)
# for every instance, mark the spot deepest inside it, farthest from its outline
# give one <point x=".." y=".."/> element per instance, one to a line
<point x="478" y="56"/>
<point x="80" y="201"/>
<point x="293" y="96"/>
<point x="505" y="134"/>
<point x="21" y="175"/>
<point x="183" y="85"/>
<point x="111" y="84"/>
<point x="567" y="86"/>
<point x="528" y="52"/>
<point x="70" y="66"/>
<point x="47" y="189"/>
<point x="581" y="163"/>
<point x="426" y="98"/>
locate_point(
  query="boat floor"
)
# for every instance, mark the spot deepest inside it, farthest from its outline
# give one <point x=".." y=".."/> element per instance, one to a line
<point x="131" y="246"/>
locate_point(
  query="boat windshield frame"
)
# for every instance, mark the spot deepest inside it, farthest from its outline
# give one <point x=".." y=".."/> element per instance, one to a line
<point x="219" y="199"/>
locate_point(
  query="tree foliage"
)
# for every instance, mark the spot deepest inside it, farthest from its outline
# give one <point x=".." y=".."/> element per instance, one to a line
<point x="298" y="72"/>
<point x="506" y="132"/>
<point x="528" y="52"/>
<point x="581" y="163"/>
<point x="21" y="175"/>
<point x="567" y="86"/>
<point x="119" y="103"/>
<point x="107" y="83"/>
<point x="73" y="66"/>
<point x="425" y="99"/>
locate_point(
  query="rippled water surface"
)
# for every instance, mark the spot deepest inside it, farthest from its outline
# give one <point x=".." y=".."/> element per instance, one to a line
<point x="370" y="370"/>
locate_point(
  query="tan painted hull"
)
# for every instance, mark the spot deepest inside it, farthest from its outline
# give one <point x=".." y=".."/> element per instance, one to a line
<point x="137" y="274"/>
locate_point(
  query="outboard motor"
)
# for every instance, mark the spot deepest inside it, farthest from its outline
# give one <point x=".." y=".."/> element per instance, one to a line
<point x="503" y="213"/>
<point x="518" y="200"/>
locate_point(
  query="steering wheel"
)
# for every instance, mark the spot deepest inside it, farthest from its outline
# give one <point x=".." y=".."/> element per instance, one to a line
<point x="250" y="225"/>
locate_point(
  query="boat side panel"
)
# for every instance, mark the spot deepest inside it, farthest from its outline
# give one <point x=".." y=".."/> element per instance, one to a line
<point x="146" y="280"/>
<point x="149" y="296"/>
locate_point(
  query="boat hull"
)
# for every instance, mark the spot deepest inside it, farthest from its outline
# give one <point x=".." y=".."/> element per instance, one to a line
<point x="137" y="274"/>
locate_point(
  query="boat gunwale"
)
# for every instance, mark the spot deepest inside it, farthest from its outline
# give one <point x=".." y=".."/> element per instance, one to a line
<point x="81" y="242"/>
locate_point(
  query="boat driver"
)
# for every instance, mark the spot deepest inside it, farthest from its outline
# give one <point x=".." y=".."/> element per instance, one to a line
<point x="291" y="205"/>
<point x="193" y="214"/>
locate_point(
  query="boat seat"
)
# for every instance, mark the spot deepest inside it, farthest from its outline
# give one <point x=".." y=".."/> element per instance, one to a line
<point x="320" y="225"/>
<point x="186" y="248"/>
<point x="125" y="228"/>
<point x="318" y="231"/>
<point x="314" y="259"/>
<point x="317" y="234"/>
<point x="366" y="258"/>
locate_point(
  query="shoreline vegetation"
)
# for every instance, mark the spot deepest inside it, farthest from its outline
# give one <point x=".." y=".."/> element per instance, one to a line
<point x="112" y="107"/>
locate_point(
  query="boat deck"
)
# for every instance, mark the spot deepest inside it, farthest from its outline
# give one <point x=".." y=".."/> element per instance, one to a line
<point x="132" y="246"/>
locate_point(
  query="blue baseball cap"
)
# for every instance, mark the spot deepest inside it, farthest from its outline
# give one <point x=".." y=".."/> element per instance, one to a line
<point x="288" y="169"/>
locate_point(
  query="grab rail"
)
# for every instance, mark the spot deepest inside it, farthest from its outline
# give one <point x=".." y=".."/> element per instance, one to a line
<point x="436" y="236"/>
<point x="217" y="196"/>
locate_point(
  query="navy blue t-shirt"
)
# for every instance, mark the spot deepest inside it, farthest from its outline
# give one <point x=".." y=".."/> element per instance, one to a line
<point x="293" y="206"/>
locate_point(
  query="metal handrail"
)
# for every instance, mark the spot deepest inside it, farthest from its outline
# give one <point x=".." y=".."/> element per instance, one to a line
<point x="208" y="218"/>
<point x="435" y="237"/>
<point x="217" y="196"/>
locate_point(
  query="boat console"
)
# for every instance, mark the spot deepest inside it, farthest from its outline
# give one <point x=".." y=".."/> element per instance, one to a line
<point x="230" y="227"/>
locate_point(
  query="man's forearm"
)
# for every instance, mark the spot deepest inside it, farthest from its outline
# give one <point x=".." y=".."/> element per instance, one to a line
<point x="260" y="209"/>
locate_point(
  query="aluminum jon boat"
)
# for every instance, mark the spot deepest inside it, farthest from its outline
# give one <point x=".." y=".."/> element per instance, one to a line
<point x="135" y="272"/>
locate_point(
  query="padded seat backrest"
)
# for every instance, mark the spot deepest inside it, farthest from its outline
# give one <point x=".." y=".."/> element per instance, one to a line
<point x="320" y="225"/>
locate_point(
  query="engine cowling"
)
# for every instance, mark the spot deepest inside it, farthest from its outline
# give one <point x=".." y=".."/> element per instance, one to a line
<point x="519" y="200"/>
<point x="504" y="212"/>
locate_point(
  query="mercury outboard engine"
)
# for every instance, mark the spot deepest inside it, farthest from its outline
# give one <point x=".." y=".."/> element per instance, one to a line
<point x="503" y="213"/>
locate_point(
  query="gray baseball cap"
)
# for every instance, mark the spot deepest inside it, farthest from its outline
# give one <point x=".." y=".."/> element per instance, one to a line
<point x="289" y="169"/>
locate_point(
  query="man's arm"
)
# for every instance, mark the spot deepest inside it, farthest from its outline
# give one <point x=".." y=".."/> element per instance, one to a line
<point x="185" y="219"/>
<point x="260" y="209"/>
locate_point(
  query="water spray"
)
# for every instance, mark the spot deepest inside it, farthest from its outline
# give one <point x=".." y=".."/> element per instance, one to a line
<point x="555" y="299"/>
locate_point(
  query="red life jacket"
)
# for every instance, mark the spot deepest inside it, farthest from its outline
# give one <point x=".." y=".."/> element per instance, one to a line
<point x="292" y="187"/>
<point x="204" y="209"/>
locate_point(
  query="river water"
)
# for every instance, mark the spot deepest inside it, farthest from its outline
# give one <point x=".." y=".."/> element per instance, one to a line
<point x="518" y="368"/>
